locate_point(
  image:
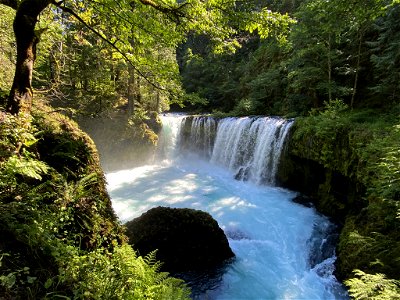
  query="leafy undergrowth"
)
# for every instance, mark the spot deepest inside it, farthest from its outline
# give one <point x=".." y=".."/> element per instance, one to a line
<point x="59" y="237"/>
<point x="362" y="145"/>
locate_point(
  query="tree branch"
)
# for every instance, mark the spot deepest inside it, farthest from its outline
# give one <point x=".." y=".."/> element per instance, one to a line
<point x="76" y="16"/>
<point x="175" y="12"/>
<point x="10" y="3"/>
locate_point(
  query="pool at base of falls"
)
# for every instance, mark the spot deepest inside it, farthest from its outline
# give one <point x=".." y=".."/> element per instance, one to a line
<point x="273" y="238"/>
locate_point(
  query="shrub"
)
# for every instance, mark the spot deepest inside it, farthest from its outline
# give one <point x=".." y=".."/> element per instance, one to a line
<point x="59" y="235"/>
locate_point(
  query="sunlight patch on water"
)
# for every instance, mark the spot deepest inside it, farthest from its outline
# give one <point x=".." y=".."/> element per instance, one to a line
<point x="267" y="232"/>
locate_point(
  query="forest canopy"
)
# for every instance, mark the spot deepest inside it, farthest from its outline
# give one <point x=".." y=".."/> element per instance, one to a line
<point x="241" y="57"/>
<point x="137" y="37"/>
<point x="336" y="50"/>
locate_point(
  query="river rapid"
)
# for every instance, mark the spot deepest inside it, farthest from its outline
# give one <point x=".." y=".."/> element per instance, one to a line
<point x="283" y="250"/>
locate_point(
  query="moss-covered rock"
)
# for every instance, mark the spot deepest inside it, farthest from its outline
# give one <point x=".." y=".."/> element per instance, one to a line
<point x="349" y="167"/>
<point x="322" y="169"/>
<point x="59" y="236"/>
<point x="71" y="153"/>
<point x="185" y="239"/>
<point x="52" y="196"/>
<point x="121" y="143"/>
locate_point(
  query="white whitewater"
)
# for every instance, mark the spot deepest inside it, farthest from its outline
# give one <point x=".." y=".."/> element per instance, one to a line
<point x="199" y="138"/>
<point x="168" y="140"/>
<point x="251" y="147"/>
<point x="277" y="243"/>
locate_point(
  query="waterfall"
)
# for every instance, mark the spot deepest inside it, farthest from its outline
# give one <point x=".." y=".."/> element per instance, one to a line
<point x="283" y="250"/>
<point x="249" y="147"/>
<point x="169" y="137"/>
<point x="197" y="135"/>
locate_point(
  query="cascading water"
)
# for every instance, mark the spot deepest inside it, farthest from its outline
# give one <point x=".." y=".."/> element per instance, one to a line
<point x="282" y="248"/>
<point x="251" y="147"/>
<point x="197" y="135"/>
<point x="168" y="140"/>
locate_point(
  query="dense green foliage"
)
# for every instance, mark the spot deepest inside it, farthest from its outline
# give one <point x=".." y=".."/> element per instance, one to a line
<point x="7" y="56"/>
<point x="99" y="52"/>
<point x="60" y="237"/>
<point x="376" y="287"/>
<point x="363" y="147"/>
<point x="128" y="60"/>
<point x="336" y="49"/>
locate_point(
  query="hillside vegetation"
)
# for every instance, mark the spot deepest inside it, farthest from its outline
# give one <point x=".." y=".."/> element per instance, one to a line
<point x="59" y="235"/>
<point x="334" y="65"/>
<point x="349" y="162"/>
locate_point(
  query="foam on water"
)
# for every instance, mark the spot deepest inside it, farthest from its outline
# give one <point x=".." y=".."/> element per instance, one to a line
<point x="272" y="249"/>
<point x="271" y="236"/>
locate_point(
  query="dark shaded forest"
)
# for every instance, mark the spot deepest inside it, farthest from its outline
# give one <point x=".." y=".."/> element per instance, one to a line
<point x="336" y="50"/>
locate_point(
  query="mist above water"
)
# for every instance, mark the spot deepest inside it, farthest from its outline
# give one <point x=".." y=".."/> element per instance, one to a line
<point x="281" y="247"/>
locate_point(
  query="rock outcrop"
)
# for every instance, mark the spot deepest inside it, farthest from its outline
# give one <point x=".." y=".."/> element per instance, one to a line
<point x="186" y="239"/>
<point x="335" y="164"/>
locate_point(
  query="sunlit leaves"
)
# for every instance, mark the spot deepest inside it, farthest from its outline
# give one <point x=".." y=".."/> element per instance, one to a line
<point x="139" y="32"/>
<point x="7" y="51"/>
<point x="26" y="167"/>
<point x="147" y="32"/>
<point x="377" y="286"/>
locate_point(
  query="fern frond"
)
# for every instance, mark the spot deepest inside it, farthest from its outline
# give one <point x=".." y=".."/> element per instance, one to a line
<point x="26" y="167"/>
<point x="374" y="287"/>
<point x="151" y="260"/>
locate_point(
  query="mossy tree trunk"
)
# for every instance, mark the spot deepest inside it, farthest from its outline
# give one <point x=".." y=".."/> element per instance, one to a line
<point x="27" y="12"/>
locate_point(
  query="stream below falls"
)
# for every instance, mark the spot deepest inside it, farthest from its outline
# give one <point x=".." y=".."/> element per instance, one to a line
<point x="283" y="250"/>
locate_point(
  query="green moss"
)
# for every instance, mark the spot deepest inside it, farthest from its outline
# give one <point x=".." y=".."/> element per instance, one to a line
<point x="59" y="235"/>
<point x="357" y="157"/>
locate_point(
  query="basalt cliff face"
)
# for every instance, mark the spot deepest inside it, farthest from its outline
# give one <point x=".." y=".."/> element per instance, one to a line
<point x="324" y="172"/>
<point x="328" y="166"/>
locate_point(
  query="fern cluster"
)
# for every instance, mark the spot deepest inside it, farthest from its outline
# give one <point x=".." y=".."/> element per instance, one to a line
<point x="373" y="287"/>
<point x="59" y="238"/>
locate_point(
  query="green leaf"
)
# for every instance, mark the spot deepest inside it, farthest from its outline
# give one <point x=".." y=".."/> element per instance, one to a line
<point x="26" y="167"/>
<point x="31" y="279"/>
<point x="48" y="283"/>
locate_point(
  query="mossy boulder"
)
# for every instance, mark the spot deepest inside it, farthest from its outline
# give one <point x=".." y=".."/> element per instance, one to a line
<point x="186" y="239"/>
<point x="73" y="155"/>
<point x="349" y="169"/>
<point x="322" y="167"/>
<point x="53" y="201"/>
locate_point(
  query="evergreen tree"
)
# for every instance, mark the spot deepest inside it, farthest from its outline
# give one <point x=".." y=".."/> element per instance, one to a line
<point x="386" y="56"/>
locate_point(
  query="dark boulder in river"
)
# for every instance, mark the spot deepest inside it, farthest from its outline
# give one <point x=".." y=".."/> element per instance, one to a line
<point x="186" y="239"/>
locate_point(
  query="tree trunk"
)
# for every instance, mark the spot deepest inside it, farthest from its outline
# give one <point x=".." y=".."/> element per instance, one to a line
<point x="55" y="64"/>
<point x="20" y="99"/>
<point x="329" y="69"/>
<point x="353" y="96"/>
<point x="131" y="91"/>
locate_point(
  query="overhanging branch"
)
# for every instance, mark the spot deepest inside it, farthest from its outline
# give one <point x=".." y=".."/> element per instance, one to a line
<point x="175" y="12"/>
<point x="76" y="16"/>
